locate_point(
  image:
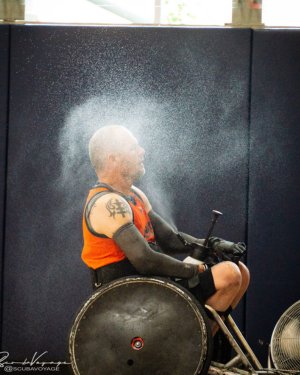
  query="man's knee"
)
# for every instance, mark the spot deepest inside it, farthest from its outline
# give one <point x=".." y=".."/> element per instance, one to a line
<point x="227" y="275"/>
<point x="245" y="274"/>
<point x="232" y="274"/>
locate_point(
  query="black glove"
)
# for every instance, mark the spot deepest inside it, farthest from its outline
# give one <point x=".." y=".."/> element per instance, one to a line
<point x="227" y="250"/>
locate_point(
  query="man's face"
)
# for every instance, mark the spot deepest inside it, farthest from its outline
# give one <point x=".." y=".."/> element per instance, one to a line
<point x="132" y="158"/>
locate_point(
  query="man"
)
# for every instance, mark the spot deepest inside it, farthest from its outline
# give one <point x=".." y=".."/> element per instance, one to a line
<point x="124" y="236"/>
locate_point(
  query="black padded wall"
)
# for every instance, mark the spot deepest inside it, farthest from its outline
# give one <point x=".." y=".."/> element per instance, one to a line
<point x="184" y="92"/>
<point x="4" y="69"/>
<point x="274" y="255"/>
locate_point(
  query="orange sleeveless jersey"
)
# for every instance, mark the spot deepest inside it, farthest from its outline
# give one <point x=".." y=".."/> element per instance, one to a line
<point x="97" y="251"/>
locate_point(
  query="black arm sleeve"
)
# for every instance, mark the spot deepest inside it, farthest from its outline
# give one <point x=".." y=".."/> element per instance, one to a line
<point x="170" y="240"/>
<point x="148" y="261"/>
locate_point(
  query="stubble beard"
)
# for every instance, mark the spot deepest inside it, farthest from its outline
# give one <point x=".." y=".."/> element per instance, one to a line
<point x="134" y="177"/>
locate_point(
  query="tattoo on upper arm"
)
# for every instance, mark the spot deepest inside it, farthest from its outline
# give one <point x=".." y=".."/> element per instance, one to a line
<point x="117" y="207"/>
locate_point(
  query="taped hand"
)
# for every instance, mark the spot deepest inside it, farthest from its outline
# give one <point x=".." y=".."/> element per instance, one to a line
<point x="227" y="250"/>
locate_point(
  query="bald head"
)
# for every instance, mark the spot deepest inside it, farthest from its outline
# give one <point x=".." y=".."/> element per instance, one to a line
<point x="106" y="141"/>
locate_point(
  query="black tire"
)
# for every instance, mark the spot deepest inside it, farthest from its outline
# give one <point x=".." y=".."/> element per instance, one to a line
<point x="141" y="325"/>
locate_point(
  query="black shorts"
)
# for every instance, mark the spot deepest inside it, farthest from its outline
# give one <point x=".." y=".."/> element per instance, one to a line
<point x="205" y="289"/>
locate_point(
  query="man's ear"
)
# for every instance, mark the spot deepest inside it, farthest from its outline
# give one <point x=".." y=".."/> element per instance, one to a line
<point x="111" y="157"/>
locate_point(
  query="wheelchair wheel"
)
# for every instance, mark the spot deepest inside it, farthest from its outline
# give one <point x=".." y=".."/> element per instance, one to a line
<point x="140" y="325"/>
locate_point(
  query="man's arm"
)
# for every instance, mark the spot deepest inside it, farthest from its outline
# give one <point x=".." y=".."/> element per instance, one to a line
<point x="174" y="242"/>
<point x="111" y="215"/>
<point x="169" y="239"/>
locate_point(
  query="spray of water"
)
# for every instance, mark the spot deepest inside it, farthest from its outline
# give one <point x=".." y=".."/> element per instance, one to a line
<point x="144" y="117"/>
<point x="177" y="143"/>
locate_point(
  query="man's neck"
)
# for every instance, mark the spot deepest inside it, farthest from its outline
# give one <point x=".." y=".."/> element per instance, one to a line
<point x="121" y="185"/>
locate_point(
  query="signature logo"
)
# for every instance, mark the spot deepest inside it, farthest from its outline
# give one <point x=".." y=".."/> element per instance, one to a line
<point x="35" y="363"/>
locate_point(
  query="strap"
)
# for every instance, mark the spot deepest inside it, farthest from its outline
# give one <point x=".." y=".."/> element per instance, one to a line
<point x="113" y="271"/>
<point x="87" y="212"/>
<point x="106" y="186"/>
<point x="94" y="277"/>
<point x="137" y="194"/>
<point x="111" y="189"/>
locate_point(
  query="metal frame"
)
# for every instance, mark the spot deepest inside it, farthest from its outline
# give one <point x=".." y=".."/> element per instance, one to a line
<point x="247" y="357"/>
<point x="244" y="357"/>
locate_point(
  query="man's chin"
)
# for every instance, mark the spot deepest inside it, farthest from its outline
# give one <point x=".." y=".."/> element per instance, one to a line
<point x="139" y="175"/>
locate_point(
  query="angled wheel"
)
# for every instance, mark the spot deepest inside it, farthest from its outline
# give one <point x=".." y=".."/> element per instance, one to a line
<point x="140" y="325"/>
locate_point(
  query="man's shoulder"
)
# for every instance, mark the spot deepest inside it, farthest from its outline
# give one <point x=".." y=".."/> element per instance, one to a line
<point x="108" y="213"/>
